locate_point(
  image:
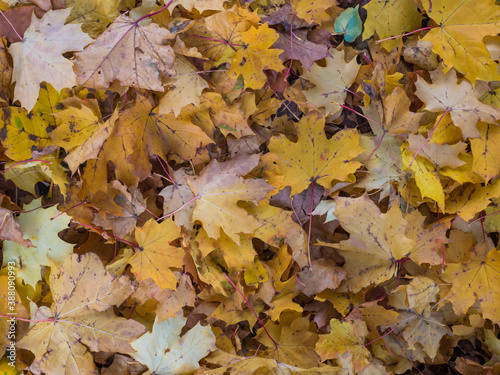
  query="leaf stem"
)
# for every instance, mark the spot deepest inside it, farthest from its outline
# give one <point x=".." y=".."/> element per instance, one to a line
<point x="112" y="235"/>
<point x="291" y="48"/>
<point x="154" y="13"/>
<point x="215" y="40"/>
<point x="28" y="320"/>
<point x="360" y="114"/>
<point x="63" y="212"/>
<point x="180" y="208"/>
<point x="11" y="25"/>
<point x="381" y="337"/>
<point x="310" y="228"/>
<point x="482" y="217"/>
<point x="251" y="308"/>
<point x="405" y="34"/>
<point x="25" y="161"/>
<point x="377" y="146"/>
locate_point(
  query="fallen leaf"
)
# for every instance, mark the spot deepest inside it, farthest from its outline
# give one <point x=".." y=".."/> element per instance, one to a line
<point x="255" y="56"/>
<point x="46" y="248"/>
<point x="331" y="82"/>
<point x="81" y="319"/>
<point x="314" y="158"/>
<point x="444" y="94"/>
<point x="38" y="57"/>
<point x="132" y="54"/>
<point x="165" y="352"/>
<point x="219" y="187"/>
<point x="458" y="36"/>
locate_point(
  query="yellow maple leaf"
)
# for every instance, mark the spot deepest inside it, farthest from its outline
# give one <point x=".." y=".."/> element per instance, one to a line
<point x="211" y="36"/>
<point x="486" y="151"/>
<point x="156" y="256"/>
<point x="476" y="280"/>
<point x="219" y="187"/>
<point x="185" y="87"/>
<point x="345" y="336"/>
<point x="426" y="177"/>
<point x="314" y="158"/>
<point x="80" y="319"/>
<point x="312" y="11"/>
<point x="26" y="131"/>
<point x="255" y="56"/>
<point x="94" y="14"/>
<point x="458" y="36"/>
<point x="390" y="18"/>
<point x="293" y="341"/>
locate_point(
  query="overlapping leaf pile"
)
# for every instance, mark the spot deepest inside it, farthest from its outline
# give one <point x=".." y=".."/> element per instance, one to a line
<point x="251" y="187"/>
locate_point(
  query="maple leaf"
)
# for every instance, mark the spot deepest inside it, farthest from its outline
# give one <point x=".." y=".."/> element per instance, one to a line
<point x="38" y="57"/>
<point x="23" y="132"/>
<point x="201" y="6"/>
<point x="314" y="158"/>
<point x="376" y="241"/>
<point x="255" y="56"/>
<point x="236" y="256"/>
<point x="467" y="200"/>
<point x="80" y="319"/>
<point x="486" y="151"/>
<point x="277" y="226"/>
<point x="156" y="256"/>
<point x="164" y="352"/>
<point x="46" y="248"/>
<point x="388" y="18"/>
<point x="304" y="50"/>
<point x="473" y="281"/>
<point x="81" y="134"/>
<point x="94" y="14"/>
<point x="293" y="341"/>
<point x="130" y="205"/>
<point x="132" y="54"/>
<point x="185" y="88"/>
<point x="345" y="336"/>
<point x="312" y="11"/>
<point x="444" y="94"/>
<point x="441" y="155"/>
<point x="458" y="36"/>
<point x="331" y="82"/>
<point x="219" y="187"/>
<point x="211" y="37"/>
